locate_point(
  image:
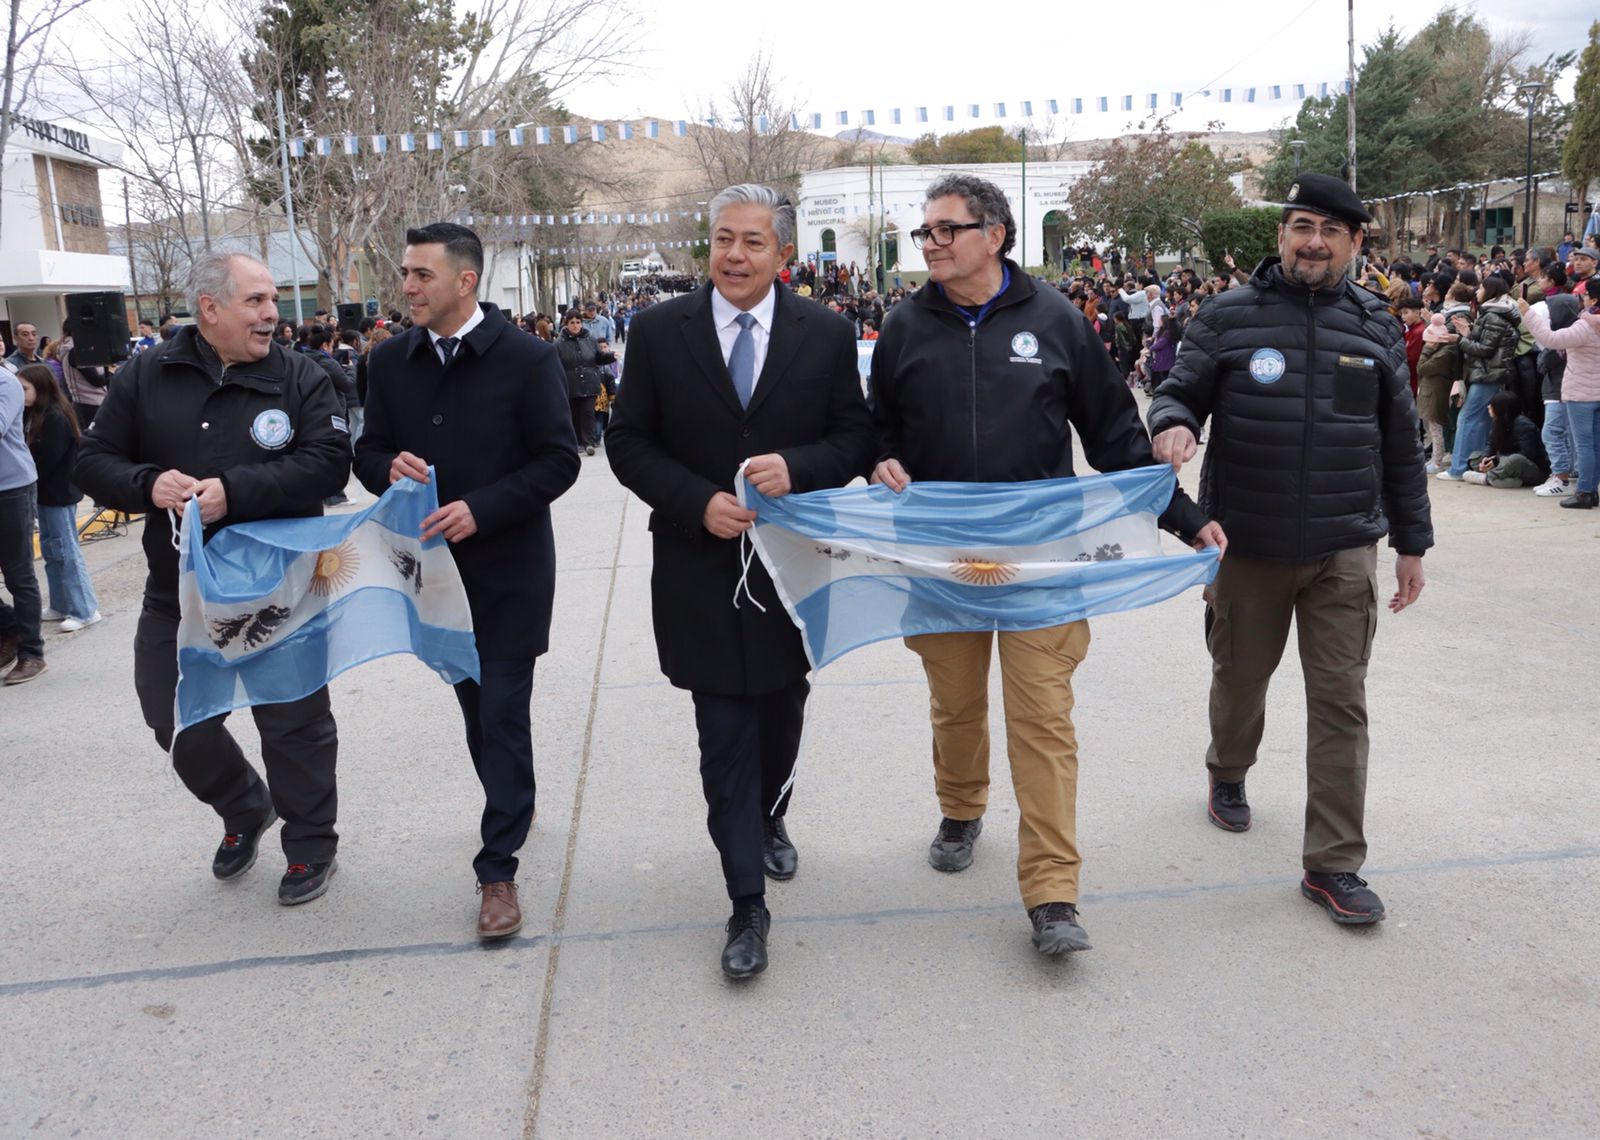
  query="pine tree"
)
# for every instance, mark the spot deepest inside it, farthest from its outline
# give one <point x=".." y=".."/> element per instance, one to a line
<point x="1580" y="156"/>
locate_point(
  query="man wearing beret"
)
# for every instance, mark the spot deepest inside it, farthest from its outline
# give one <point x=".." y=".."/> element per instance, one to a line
<point x="1313" y="457"/>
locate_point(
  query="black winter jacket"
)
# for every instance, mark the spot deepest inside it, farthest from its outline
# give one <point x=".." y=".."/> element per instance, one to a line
<point x="269" y="430"/>
<point x="1492" y="344"/>
<point x="581" y="359"/>
<point x="1314" y="442"/>
<point x="997" y="403"/>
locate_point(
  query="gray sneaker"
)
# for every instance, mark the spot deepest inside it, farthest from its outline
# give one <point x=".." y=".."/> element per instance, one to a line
<point x="1056" y="929"/>
<point x="951" y="849"/>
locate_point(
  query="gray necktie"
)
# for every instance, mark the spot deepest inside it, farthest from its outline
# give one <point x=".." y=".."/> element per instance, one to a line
<point x="742" y="360"/>
<point x="447" y="347"/>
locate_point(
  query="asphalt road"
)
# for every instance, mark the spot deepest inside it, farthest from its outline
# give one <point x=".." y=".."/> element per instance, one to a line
<point x="141" y="998"/>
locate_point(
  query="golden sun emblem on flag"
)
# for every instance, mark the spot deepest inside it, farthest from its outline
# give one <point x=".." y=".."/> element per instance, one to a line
<point x="981" y="572"/>
<point x="335" y="569"/>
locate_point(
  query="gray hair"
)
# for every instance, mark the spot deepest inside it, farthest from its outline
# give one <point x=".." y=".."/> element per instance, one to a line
<point x="211" y="275"/>
<point x="985" y="201"/>
<point x="754" y="194"/>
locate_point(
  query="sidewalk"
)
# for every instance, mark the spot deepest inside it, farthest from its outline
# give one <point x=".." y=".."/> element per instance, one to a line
<point x="144" y="999"/>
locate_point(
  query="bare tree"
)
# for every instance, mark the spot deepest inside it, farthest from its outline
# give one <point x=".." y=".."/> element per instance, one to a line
<point x="27" y="38"/>
<point x="750" y="135"/>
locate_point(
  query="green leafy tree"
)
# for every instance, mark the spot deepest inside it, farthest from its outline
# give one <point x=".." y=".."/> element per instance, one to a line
<point x="1580" y="157"/>
<point x="1152" y="190"/>
<point x="984" y="144"/>
<point x="1248" y="235"/>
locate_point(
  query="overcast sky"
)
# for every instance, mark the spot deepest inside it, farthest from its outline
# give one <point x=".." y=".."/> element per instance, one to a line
<point x="844" y="57"/>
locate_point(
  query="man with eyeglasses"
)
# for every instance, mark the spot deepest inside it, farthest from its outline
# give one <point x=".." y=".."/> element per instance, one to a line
<point x="981" y="377"/>
<point x="1314" y="456"/>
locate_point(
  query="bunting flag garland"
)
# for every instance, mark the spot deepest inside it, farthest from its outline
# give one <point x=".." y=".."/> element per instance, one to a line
<point x="625" y="131"/>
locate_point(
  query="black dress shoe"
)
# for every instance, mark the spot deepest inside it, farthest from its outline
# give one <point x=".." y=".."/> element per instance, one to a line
<point x="745" y="954"/>
<point x="778" y="856"/>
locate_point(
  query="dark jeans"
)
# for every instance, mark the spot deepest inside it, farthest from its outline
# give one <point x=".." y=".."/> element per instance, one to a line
<point x="19" y="619"/>
<point x="299" y="747"/>
<point x="1529" y="386"/>
<point x="500" y="741"/>
<point x="748" y="747"/>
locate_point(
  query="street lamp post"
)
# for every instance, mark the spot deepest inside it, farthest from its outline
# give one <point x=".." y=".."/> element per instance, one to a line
<point x="1297" y="145"/>
<point x="1530" y="93"/>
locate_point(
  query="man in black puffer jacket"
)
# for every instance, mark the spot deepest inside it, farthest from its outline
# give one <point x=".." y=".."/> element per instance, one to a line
<point x="1314" y="456"/>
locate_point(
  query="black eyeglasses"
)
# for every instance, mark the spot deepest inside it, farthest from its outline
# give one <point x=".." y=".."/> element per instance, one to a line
<point x="942" y="234"/>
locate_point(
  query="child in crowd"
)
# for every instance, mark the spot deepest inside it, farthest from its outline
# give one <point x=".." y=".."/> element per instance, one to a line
<point x="1438" y="371"/>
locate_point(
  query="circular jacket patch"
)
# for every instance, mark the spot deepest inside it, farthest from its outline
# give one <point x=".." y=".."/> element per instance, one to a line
<point x="272" y="429"/>
<point x="1267" y="366"/>
<point x="1025" y="344"/>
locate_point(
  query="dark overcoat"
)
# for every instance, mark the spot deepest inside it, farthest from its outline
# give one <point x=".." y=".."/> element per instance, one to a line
<point x="496" y="427"/>
<point x="678" y="435"/>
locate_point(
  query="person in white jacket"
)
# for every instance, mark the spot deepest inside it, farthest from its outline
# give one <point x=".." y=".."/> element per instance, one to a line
<point x="1580" y="386"/>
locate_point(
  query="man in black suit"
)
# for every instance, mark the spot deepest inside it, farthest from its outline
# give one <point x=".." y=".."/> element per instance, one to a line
<point x="486" y="406"/>
<point x="739" y="370"/>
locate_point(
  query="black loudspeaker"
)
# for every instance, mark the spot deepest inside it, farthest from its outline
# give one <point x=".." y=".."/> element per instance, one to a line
<point x="350" y="315"/>
<point x="99" y="328"/>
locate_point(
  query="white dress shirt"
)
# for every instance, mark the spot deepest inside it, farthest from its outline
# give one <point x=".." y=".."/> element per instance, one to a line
<point x="460" y="334"/>
<point x="726" y="318"/>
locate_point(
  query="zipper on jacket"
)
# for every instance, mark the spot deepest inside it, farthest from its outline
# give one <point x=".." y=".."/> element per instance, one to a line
<point x="972" y="354"/>
<point x="1305" y="443"/>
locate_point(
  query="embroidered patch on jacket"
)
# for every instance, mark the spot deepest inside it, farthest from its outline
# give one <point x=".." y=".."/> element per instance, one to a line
<point x="1267" y="366"/>
<point x="272" y="429"/>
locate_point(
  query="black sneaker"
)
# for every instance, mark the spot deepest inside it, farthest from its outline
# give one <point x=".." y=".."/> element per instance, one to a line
<point x="303" y="882"/>
<point x="236" y="854"/>
<point x="951" y="849"/>
<point x="1344" y="895"/>
<point x="1056" y="929"/>
<point x="1226" y="807"/>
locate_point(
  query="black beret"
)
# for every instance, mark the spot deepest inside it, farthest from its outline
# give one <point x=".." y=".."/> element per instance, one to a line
<point x="1325" y="194"/>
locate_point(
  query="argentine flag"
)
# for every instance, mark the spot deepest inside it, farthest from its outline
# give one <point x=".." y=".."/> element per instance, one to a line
<point x="863" y="564"/>
<point x="273" y="610"/>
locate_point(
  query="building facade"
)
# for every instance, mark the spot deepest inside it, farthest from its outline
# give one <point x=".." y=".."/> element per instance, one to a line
<point x="53" y="238"/>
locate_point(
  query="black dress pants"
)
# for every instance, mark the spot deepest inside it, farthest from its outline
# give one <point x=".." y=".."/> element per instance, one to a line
<point x="748" y="747"/>
<point x="500" y="740"/>
<point x="20" y="619"/>
<point x="299" y="746"/>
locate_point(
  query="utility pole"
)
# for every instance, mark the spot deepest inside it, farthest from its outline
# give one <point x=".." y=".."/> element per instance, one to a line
<point x="127" y="234"/>
<point x="288" y="209"/>
<point x="1350" y="103"/>
<point x="1022" y="238"/>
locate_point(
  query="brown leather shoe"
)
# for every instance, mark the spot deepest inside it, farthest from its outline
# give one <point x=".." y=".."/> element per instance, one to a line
<point x="499" y="916"/>
<point x="27" y="669"/>
<point x="8" y="648"/>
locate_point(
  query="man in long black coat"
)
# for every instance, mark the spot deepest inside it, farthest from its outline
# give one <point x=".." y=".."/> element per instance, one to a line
<point x="741" y="369"/>
<point x="486" y="406"/>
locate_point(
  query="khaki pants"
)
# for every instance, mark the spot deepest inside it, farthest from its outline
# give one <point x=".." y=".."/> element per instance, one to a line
<point x="1036" y="670"/>
<point x="1334" y="603"/>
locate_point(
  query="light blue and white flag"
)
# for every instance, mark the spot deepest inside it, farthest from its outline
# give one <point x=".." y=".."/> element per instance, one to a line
<point x="863" y="564"/>
<point x="273" y="610"/>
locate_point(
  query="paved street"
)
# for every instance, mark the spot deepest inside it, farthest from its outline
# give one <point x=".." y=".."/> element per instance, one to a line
<point x="141" y="998"/>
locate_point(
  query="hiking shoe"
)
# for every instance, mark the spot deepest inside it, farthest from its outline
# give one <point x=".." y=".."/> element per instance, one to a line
<point x="1226" y="806"/>
<point x="303" y="882"/>
<point x="1344" y="895"/>
<point x="1056" y="929"/>
<point x="237" y="853"/>
<point x="951" y="849"/>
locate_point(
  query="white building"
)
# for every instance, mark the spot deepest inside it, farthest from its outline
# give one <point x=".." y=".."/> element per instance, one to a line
<point x="53" y="234"/>
<point x="837" y="205"/>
